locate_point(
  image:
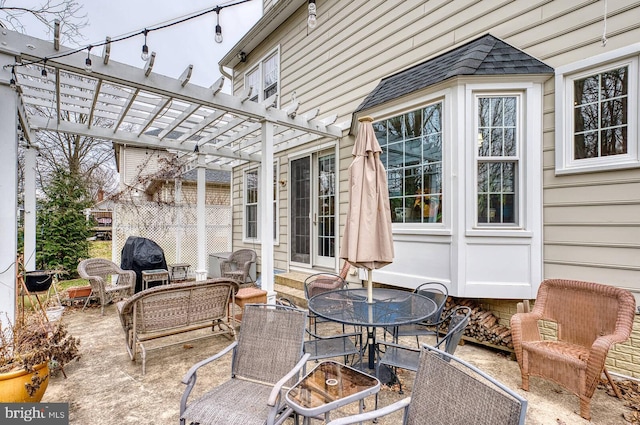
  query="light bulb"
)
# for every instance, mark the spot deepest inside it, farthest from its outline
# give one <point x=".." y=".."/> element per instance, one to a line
<point x="312" y="8"/>
<point x="87" y="64"/>
<point x="44" y="73"/>
<point x="218" y="34"/>
<point x="12" y="83"/>
<point x="312" y="21"/>
<point x="145" y="53"/>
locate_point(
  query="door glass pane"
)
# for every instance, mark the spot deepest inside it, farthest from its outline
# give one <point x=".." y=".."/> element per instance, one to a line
<point x="300" y="211"/>
<point x="326" y="206"/>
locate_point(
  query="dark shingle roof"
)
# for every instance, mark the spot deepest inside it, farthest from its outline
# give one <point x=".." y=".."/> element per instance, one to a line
<point x="486" y="55"/>
<point x="211" y="176"/>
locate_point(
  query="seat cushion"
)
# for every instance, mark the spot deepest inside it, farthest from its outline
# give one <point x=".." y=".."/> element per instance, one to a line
<point x="558" y="351"/>
<point x="236" y="402"/>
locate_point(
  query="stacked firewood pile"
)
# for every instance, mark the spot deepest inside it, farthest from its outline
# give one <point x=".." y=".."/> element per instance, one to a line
<point x="483" y="325"/>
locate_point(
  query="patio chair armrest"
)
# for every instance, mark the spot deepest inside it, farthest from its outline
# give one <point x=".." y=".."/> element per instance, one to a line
<point x="275" y="392"/>
<point x="327" y="337"/>
<point x="368" y="416"/>
<point x="187" y="377"/>
<point x="399" y="346"/>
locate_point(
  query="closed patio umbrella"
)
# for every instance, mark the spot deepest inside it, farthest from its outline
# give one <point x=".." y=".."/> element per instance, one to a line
<point x="368" y="239"/>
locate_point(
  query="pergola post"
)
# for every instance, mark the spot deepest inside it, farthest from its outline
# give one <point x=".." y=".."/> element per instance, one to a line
<point x="266" y="196"/>
<point x="201" y="271"/>
<point x="8" y="184"/>
<point x="30" y="209"/>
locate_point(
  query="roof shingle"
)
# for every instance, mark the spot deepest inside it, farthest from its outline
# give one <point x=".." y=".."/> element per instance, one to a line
<point x="486" y="55"/>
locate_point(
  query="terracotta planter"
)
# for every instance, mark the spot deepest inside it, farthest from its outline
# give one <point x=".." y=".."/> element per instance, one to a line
<point x="12" y="385"/>
<point x="79" y="291"/>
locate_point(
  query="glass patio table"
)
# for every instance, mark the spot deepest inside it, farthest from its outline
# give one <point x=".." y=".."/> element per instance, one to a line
<point x="390" y="307"/>
<point x="328" y="386"/>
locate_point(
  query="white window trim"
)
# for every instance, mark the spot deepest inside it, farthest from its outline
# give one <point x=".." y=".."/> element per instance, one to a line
<point x="529" y="198"/>
<point x="445" y="97"/>
<point x="258" y="67"/>
<point x="276" y="236"/>
<point x="564" y="77"/>
<point x="518" y="158"/>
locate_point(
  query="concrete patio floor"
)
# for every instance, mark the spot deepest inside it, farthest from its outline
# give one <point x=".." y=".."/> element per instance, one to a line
<point x="106" y="387"/>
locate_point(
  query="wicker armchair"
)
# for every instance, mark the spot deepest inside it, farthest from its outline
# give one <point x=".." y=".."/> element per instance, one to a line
<point x="589" y="318"/>
<point x="237" y="266"/>
<point x="97" y="271"/>
<point x="448" y="390"/>
<point x="267" y="357"/>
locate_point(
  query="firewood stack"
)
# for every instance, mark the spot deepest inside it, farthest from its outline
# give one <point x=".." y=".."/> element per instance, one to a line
<point x="483" y="325"/>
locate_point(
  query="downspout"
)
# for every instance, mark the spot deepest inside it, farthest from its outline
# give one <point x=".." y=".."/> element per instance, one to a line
<point x="224" y="73"/>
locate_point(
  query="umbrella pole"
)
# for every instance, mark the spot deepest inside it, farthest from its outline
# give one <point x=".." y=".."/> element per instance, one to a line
<point x="369" y="286"/>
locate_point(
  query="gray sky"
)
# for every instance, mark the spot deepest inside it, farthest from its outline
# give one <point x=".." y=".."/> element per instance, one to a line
<point x="176" y="47"/>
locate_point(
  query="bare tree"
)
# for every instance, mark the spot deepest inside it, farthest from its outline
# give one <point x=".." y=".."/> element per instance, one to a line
<point x="15" y="14"/>
<point x="88" y="157"/>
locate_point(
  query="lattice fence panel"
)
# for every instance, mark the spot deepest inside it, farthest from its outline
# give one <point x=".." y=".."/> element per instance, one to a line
<point x="174" y="228"/>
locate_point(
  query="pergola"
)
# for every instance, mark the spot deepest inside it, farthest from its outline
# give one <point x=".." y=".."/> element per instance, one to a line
<point x="136" y="107"/>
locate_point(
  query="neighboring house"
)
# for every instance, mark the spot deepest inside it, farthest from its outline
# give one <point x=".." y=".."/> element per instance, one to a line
<point x="510" y="133"/>
<point x="159" y="201"/>
<point x="101" y="215"/>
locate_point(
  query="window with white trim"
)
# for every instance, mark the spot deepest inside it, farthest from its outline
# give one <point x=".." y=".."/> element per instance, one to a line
<point x="497" y="159"/>
<point x="597" y="106"/>
<point x="264" y="78"/>
<point x="412" y="155"/>
<point x="251" y="203"/>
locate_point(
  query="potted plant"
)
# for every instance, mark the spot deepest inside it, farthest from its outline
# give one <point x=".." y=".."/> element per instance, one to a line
<point x="29" y="350"/>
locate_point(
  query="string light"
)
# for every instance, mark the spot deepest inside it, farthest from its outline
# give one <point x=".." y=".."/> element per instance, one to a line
<point x="87" y="62"/>
<point x="12" y="81"/>
<point x="44" y="69"/>
<point x="145" y="49"/>
<point x="312" y="21"/>
<point x="218" y="27"/>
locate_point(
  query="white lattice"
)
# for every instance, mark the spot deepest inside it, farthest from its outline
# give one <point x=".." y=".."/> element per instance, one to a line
<point x="174" y="228"/>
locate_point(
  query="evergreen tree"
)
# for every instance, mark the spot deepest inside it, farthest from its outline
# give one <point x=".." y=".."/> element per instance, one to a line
<point x="62" y="227"/>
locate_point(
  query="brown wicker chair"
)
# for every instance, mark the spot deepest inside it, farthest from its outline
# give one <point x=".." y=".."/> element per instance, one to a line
<point x="97" y="272"/>
<point x="237" y="266"/>
<point x="589" y="318"/>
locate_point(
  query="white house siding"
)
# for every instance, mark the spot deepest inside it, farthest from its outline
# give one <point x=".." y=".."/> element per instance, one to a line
<point x="136" y="163"/>
<point x="591" y="224"/>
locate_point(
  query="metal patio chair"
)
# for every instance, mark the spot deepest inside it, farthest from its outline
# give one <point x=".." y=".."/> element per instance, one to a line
<point x="323" y="282"/>
<point x="448" y="390"/>
<point x="331" y="345"/>
<point x="401" y="356"/>
<point x="439" y="293"/>
<point x="266" y="360"/>
<point x="98" y="272"/>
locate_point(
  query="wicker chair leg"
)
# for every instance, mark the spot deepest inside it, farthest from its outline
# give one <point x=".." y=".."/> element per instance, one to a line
<point x="613" y="384"/>
<point x="525" y="382"/>
<point x="585" y="408"/>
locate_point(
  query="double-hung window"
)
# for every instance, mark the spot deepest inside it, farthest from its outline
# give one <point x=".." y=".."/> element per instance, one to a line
<point x="497" y="159"/>
<point x="412" y="155"/>
<point x="251" y="205"/>
<point x="264" y="78"/>
<point x="597" y="113"/>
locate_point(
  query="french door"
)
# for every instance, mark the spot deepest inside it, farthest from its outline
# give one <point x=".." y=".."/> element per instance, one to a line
<point x="313" y="233"/>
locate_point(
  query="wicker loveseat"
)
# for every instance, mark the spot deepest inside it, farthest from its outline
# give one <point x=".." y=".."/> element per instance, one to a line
<point x="589" y="318"/>
<point x="174" y="309"/>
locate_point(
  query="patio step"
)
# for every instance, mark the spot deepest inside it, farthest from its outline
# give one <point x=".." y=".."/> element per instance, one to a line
<point x="294" y="295"/>
<point x="292" y="279"/>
